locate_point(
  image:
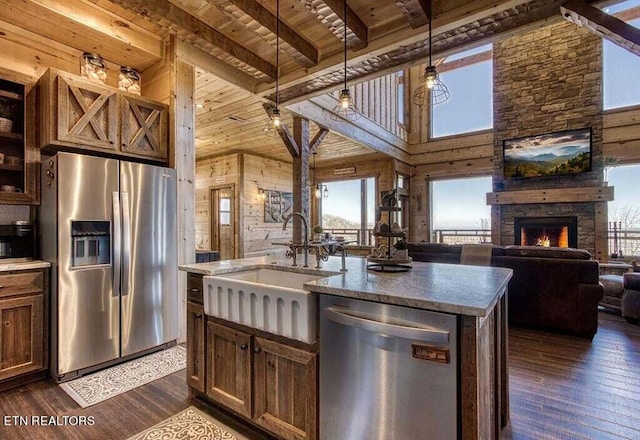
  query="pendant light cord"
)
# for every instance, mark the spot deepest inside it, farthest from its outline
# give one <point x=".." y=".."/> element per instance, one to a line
<point x="277" y="51"/>
<point x="430" y="18"/>
<point x="345" y="43"/>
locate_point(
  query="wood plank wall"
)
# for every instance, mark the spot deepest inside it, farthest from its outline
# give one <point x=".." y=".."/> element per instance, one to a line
<point x="377" y="100"/>
<point x="214" y="171"/>
<point x="260" y="172"/>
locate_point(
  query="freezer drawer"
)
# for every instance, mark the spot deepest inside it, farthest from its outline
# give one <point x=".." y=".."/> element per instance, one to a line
<point x="386" y="372"/>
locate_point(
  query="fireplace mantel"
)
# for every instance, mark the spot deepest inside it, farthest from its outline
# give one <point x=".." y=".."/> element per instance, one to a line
<point x="555" y="195"/>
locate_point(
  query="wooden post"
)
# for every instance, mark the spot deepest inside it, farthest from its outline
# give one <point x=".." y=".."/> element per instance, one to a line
<point x="301" y="175"/>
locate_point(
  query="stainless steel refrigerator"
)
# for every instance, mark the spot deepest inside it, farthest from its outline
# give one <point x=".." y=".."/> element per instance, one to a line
<point x="109" y="229"/>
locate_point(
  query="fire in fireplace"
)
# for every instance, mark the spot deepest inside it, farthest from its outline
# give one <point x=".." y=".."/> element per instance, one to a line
<point x="546" y="231"/>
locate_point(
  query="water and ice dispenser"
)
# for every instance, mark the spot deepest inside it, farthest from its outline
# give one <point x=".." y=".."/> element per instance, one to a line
<point x="91" y="241"/>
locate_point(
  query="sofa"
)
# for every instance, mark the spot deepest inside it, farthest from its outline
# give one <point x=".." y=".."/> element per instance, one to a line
<point x="552" y="288"/>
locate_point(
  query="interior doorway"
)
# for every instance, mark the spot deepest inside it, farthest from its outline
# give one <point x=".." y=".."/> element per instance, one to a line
<point x="223" y="221"/>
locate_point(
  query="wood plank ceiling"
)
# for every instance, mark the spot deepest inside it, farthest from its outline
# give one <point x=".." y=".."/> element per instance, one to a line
<point x="231" y="119"/>
<point x="383" y="36"/>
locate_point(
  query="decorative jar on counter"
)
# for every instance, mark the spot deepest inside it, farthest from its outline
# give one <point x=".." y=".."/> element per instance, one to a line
<point x="93" y="67"/>
<point x="129" y="80"/>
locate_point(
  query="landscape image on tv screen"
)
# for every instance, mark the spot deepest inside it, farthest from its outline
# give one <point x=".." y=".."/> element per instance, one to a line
<point x="552" y="154"/>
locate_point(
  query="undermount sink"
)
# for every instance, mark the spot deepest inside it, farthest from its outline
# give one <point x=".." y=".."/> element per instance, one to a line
<point x="267" y="299"/>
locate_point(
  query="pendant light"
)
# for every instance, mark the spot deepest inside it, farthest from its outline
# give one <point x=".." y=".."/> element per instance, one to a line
<point x="431" y="89"/>
<point x="346" y="107"/>
<point x="276" y="118"/>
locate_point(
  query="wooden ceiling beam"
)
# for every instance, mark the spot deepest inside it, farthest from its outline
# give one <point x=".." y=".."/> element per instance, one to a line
<point x="602" y="24"/>
<point x="467" y="12"/>
<point x="415" y="11"/>
<point x="189" y="29"/>
<point x="88" y="28"/>
<point x="366" y="133"/>
<point x="317" y="139"/>
<point x="292" y="43"/>
<point x="284" y="133"/>
<point x="331" y="14"/>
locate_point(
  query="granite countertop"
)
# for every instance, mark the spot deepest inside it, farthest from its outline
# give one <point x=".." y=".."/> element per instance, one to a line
<point x="449" y="288"/>
<point x="23" y="265"/>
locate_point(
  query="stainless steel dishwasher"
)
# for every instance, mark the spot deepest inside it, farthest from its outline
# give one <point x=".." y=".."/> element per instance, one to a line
<point x="386" y="372"/>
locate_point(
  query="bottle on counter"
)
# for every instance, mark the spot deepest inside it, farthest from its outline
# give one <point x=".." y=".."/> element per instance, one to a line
<point x="93" y="67"/>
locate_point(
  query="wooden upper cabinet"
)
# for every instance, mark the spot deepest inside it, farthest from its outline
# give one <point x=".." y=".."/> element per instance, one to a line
<point x="20" y="164"/>
<point x="144" y="127"/>
<point x="83" y="116"/>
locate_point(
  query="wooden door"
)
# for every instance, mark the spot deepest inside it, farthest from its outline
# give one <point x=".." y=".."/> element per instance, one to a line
<point x="144" y="127"/>
<point x="286" y="392"/>
<point x="223" y="222"/>
<point x="86" y="114"/>
<point x="229" y="368"/>
<point x="21" y="335"/>
<point x="195" y="346"/>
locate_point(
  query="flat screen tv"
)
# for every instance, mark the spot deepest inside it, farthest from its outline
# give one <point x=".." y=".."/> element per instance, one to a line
<point x="550" y="154"/>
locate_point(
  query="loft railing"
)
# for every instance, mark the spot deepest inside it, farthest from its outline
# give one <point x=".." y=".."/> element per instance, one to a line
<point x="461" y="236"/>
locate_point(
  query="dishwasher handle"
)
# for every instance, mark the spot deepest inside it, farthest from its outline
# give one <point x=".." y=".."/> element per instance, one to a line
<point x="427" y="334"/>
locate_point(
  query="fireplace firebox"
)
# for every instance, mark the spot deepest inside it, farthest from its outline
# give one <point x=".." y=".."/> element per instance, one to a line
<point x="546" y="231"/>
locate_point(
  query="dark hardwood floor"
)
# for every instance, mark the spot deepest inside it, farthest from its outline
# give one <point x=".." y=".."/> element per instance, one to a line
<point x="562" y="387"/>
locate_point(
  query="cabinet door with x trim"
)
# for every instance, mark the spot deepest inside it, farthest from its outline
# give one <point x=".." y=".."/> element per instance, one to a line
<point x="144" y="127"/>
<point x="86" y="113"/>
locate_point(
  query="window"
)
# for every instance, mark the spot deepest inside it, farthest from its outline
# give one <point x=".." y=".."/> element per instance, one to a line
<point x="469" y="77"/>
<point x="460" y="213"/>
<point x="342" y="212"/>
<point x="624" y="211"/>
<point x="401" y="92"/>
<point x="621" y="87"/>
<point x="225" y="211"/>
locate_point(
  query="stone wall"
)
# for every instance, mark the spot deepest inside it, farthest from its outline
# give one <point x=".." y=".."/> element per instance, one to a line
<point x="544" y="81"/>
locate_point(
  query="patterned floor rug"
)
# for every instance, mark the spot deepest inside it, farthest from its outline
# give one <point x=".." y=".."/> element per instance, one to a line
<point x="191" y="424"/>
<point x="105" y="384"/>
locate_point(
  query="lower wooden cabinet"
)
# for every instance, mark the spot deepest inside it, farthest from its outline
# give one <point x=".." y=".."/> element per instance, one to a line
<point x="270" y="383"/>
<point x="195" y="346"/>
<point x="229" y="368"/>
<point x="23" y="324"/>
<point x="285" y="389"/>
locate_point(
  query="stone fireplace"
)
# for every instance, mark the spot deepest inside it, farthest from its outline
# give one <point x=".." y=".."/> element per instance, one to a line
<point x="546" y="231"/>
<point x="557" y="86"/>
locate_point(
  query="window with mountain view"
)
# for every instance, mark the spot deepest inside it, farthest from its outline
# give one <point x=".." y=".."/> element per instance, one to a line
<point x="460" y="213"/>
<point x="469" y="78"/>
<point x="624" y="211"/>
<point x="621" y="87"/>
<point x="342" y="213"/>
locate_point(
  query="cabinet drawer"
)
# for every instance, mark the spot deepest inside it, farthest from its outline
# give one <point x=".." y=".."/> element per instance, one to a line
<point x="194" y="288"/>
<point x="21" y="283"/>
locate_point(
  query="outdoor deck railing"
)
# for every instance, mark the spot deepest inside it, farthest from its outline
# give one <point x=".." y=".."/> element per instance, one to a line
<point x="353" y="234"/>
<point x="461" y="236"/>
<point x="625" y="240"/>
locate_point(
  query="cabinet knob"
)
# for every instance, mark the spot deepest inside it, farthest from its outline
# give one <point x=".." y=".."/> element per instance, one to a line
<point x="243" y="346"/>
<point x="256" y="350"/>
<point x="1" y="286"/>
<point x="198" y="315"/>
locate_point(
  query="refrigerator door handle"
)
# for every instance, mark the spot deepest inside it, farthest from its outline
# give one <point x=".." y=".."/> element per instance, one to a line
<point x="117" y="243"/>
<point x="126" y="244"/>
<point x="422" y="333"/>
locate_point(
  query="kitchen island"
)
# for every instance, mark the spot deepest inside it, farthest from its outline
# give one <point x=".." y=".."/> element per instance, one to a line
<point x="474" y="295"/>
